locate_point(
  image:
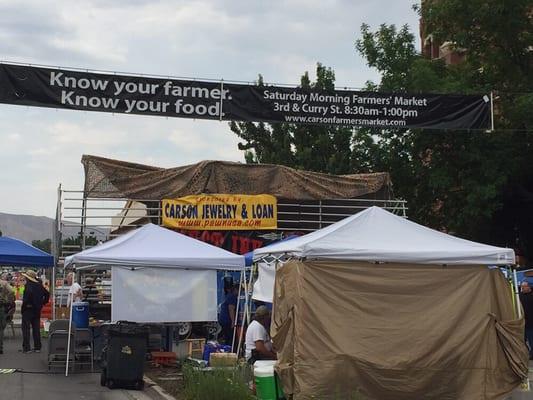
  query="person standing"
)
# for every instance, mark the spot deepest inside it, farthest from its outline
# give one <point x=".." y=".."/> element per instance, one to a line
<point x="227" y="313"/>
<point x="7" y="299"/>
<point x="35" y="296"/>
<point x="526" y="298"/>
<point x="90" y="292"/>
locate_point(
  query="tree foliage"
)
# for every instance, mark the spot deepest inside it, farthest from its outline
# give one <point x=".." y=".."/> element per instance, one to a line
<point x="44" y="245"/>
<point x="469" y="183"/>
<point x="76" y="241"/>
<point x="309" y="147"/>
<point x="475" y="184"/>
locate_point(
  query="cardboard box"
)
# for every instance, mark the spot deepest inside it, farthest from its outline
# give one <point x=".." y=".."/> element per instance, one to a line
<point x="193" y="348"/>
<point x="63" y="312"/>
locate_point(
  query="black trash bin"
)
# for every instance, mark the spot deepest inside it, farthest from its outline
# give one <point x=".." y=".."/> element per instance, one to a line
<point x="124" y="355"/>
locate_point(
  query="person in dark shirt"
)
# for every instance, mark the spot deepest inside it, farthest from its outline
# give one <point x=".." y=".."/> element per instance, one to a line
<point x="227" y="313"/>
<point x="526" y="298"/>
<point x="90" y="292"/>
<point x="35" y="296"/>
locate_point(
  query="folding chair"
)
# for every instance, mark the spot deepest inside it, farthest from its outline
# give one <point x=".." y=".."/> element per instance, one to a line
<point x="60" y="325"/>
<point x="83" y="348"/>
<point x="57" y="349"/>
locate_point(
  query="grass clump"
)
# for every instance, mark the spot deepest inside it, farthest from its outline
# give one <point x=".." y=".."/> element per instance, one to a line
<point x="216" y="384"/>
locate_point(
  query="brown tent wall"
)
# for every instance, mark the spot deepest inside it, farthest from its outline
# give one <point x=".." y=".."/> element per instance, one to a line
<point x="395" y="331"/>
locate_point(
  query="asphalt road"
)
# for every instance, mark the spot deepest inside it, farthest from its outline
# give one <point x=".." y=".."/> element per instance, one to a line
<point x="34" y="382"/>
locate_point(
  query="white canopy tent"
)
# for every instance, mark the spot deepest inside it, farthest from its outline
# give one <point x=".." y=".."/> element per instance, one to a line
<point x="377" y="235"/>
<point x="160" y="275"/>
<point x="157" y="247"/>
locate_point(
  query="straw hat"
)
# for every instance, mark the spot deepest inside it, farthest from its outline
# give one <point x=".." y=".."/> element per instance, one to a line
<point x="31" y="275"/>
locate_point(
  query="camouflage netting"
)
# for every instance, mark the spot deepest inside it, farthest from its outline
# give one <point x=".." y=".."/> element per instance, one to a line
<point x="119" y="179"/>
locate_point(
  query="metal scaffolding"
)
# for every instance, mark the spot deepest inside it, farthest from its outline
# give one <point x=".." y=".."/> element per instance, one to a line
<point x="82" y="222"/>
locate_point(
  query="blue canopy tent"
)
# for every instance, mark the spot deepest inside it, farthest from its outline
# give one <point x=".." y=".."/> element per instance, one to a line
<point x="16" y="253"/>
<point x="524" y="275"/>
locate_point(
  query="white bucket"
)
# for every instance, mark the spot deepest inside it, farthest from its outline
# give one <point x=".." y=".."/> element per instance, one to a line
<point x="264" y="363"/>
<point x="264" y="372"/>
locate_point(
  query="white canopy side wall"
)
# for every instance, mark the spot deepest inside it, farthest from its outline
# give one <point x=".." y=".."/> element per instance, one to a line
<point x="263" y="287"/>
<point x="163" y="295"/>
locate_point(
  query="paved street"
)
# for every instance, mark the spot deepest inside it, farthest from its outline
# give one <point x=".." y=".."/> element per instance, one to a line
<point x="523" y="395"/>
<point x="33" y="382"/>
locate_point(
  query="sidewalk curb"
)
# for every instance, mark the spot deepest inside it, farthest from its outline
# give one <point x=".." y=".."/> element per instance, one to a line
<point x="158" y="389"/>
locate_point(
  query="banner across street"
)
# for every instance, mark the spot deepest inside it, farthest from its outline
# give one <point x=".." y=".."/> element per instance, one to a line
<point x="92" y="91"/>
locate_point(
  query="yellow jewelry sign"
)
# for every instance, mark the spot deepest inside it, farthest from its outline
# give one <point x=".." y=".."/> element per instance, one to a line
<point x="221" y="212"/>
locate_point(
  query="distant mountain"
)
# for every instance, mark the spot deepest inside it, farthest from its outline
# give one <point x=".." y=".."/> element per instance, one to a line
<point x="26" y="227"/>
<point x="30" y="227"/>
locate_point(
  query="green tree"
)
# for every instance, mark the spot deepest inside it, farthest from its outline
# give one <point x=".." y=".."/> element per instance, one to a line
<point x="44" y="245"/>
<point x="309" y="147"/>
<point x="464" y="182"/>
<point x="76" y="241"/>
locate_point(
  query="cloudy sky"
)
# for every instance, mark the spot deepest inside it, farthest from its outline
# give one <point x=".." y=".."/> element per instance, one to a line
<point x="214" y="39"/>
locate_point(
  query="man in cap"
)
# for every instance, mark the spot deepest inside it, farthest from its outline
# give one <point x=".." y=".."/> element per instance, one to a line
<point x="7" y="299"/>
<point x="35" y="296"/>
<point x="258" y="345"/>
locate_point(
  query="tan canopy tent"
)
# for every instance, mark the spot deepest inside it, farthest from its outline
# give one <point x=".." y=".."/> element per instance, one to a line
<point x="395" y="330"/>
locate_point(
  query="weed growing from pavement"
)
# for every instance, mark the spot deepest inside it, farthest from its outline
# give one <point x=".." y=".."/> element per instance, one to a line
<point x="217" y="384"/>
<point x="228" y="384"/>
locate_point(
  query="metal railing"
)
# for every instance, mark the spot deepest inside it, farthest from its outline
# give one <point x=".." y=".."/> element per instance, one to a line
<point x="83" y="221"/>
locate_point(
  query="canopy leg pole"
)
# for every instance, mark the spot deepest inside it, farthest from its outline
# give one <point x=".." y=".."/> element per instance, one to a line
<point x="53" y="291"/>
<point x="69" y="326"/>
<point x="63" y="287"/>
<point x="511" y="287"/>
<point x="248" y="303"/>
<point x="244" y="314"/>
<point x="249" y="290"/>
<point x="517" y="296"/>
<point x="236" y="314"/>
<point x="249" y="295"/>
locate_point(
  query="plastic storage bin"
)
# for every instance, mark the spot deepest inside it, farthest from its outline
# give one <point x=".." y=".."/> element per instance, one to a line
<point x="80" y="314"/>
<point x="124" y="356"/>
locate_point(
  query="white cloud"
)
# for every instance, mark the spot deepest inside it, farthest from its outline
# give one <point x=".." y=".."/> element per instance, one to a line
<point x="230" y="39"/>
<point x="13" y="137"/>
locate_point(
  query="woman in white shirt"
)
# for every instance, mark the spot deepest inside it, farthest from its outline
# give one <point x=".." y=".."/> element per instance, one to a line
<point x="258" y="345"/>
